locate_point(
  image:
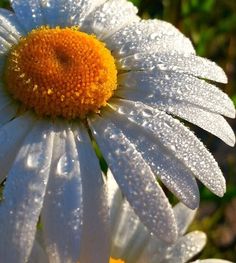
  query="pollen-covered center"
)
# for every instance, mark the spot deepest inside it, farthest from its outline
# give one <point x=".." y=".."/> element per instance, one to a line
<point x="61" y="72"/>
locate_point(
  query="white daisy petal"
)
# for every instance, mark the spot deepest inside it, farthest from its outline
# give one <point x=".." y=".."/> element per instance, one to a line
<point x="128" y="234"/>
<point x="29" y="13"/>
<point x="68" y="13"/>
<point x="129" y="237"/>
<point x="7" y="113"/>
<point x="135" y="179"/>
<point x="186" y="247"/>
<point x="55" y="12"/>
<point x="95" y="239"/>
<point x="182" y="63"/>
<point x="4" y="100"/>
<point x="115" y="199"/>
<point x="209" y="121"/>
<point x="178" y="139"/>
<point x="213" y="260"/>
<point x="23" y="195"/>
<point x="62" y="210"/>
<point x="110" y="17"/>
<point x="38" y="255"/>
<point x="197" y="109"/>
<point x="156" y="250"/>
<point x="4" y="46"/>
<point x="11" y="137"/>
<point x="149" y="36"/>
<point x="173" y="173"/>
<point x="155" y="86"/>
<point x="10" y="28"/>
<point x="184" y="217"/>
<point x="80" y="9"/>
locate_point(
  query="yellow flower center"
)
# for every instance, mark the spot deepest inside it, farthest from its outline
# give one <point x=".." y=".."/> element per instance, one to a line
<point x="61" y="72"/>
<point x="116" y="261"/>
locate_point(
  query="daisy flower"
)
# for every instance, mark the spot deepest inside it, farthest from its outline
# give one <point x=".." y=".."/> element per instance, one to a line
<point x="132" y="243"/>
<point x="82" y="72"/>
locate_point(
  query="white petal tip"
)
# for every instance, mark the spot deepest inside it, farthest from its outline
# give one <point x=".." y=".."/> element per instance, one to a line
<point x="224" y="78"/>
<point x="193" y="205"/>
<point x="191" y="202"/>
<point x="231" y="141"/>
<point x="200" y="237"/>
<point x="221" y="77"/>
<point x="221" y="192"/>
<point x="231" y="110"/>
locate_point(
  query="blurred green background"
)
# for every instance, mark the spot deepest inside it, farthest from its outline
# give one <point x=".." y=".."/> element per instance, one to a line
<point x="211" y="25"/>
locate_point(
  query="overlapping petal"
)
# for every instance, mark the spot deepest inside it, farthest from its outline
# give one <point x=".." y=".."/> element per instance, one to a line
<point x="135" y="178"/>
<point x="132" y="242"/>
<point x="62" y="211"/>
<point x="23" y="194"/>
<point x="149" y="36"/>
<point x="53" y="170"/>
<point x="11" y="139"/>
<point x="182" y="95"/>
<point x="110" y="17"/>
<point x="178" y="139"/>
<point x="181" y="63"/>
<point x="161" y="160"/>
<point x="95" y="238"/>
<point x="10" y="28"/>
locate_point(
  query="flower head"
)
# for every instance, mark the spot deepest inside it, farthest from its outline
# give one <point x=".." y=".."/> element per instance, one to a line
<point x="76" y="73"/>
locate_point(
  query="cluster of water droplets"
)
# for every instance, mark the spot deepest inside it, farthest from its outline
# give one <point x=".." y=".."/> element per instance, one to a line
<point x="178" y="139"/>
<point x="148" y="36"/>
<point x="135" y="178"/>
<point x="110" y="17"/>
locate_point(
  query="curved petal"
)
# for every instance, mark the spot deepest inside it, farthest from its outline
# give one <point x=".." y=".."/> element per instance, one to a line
<point x="178" y="139"/>
<point x="62" y="210"/>
<point x="68" y="13"/>
<point x="95" y="240"/>
<point x="38" y="255"/>
<point x="4" y="99"/>
<point x="212" y="260"/>
<point x="172" y="172"/>
<point x="115" y="200"/>
<point x="110" y="17"/>
<point x="160" y="87"/>
<point x="10" y="28"/>
<point x="149" y="36"/>
<point x="29" y="13"/>
<point x="135" y="179"/>
<point x="130" y="236"/>
<point x="184" y="217"/>
<point x="7" y="113"/>
<point x="4" y="46"/>
<point x="186" y="247"/>
<point x="24" y="193"/>
<point x="205" y="119"/>
<point x="182" y="63"/>
<point x="209" y="121"/>
<point x="11" y="138"/>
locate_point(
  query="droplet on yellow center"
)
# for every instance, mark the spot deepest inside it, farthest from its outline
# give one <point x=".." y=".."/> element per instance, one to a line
<point x="61" y="72"/>
<point x="112" y="260"/>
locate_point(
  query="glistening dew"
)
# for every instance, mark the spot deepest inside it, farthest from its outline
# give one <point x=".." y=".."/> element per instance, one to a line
<point x="78" y="73"/>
